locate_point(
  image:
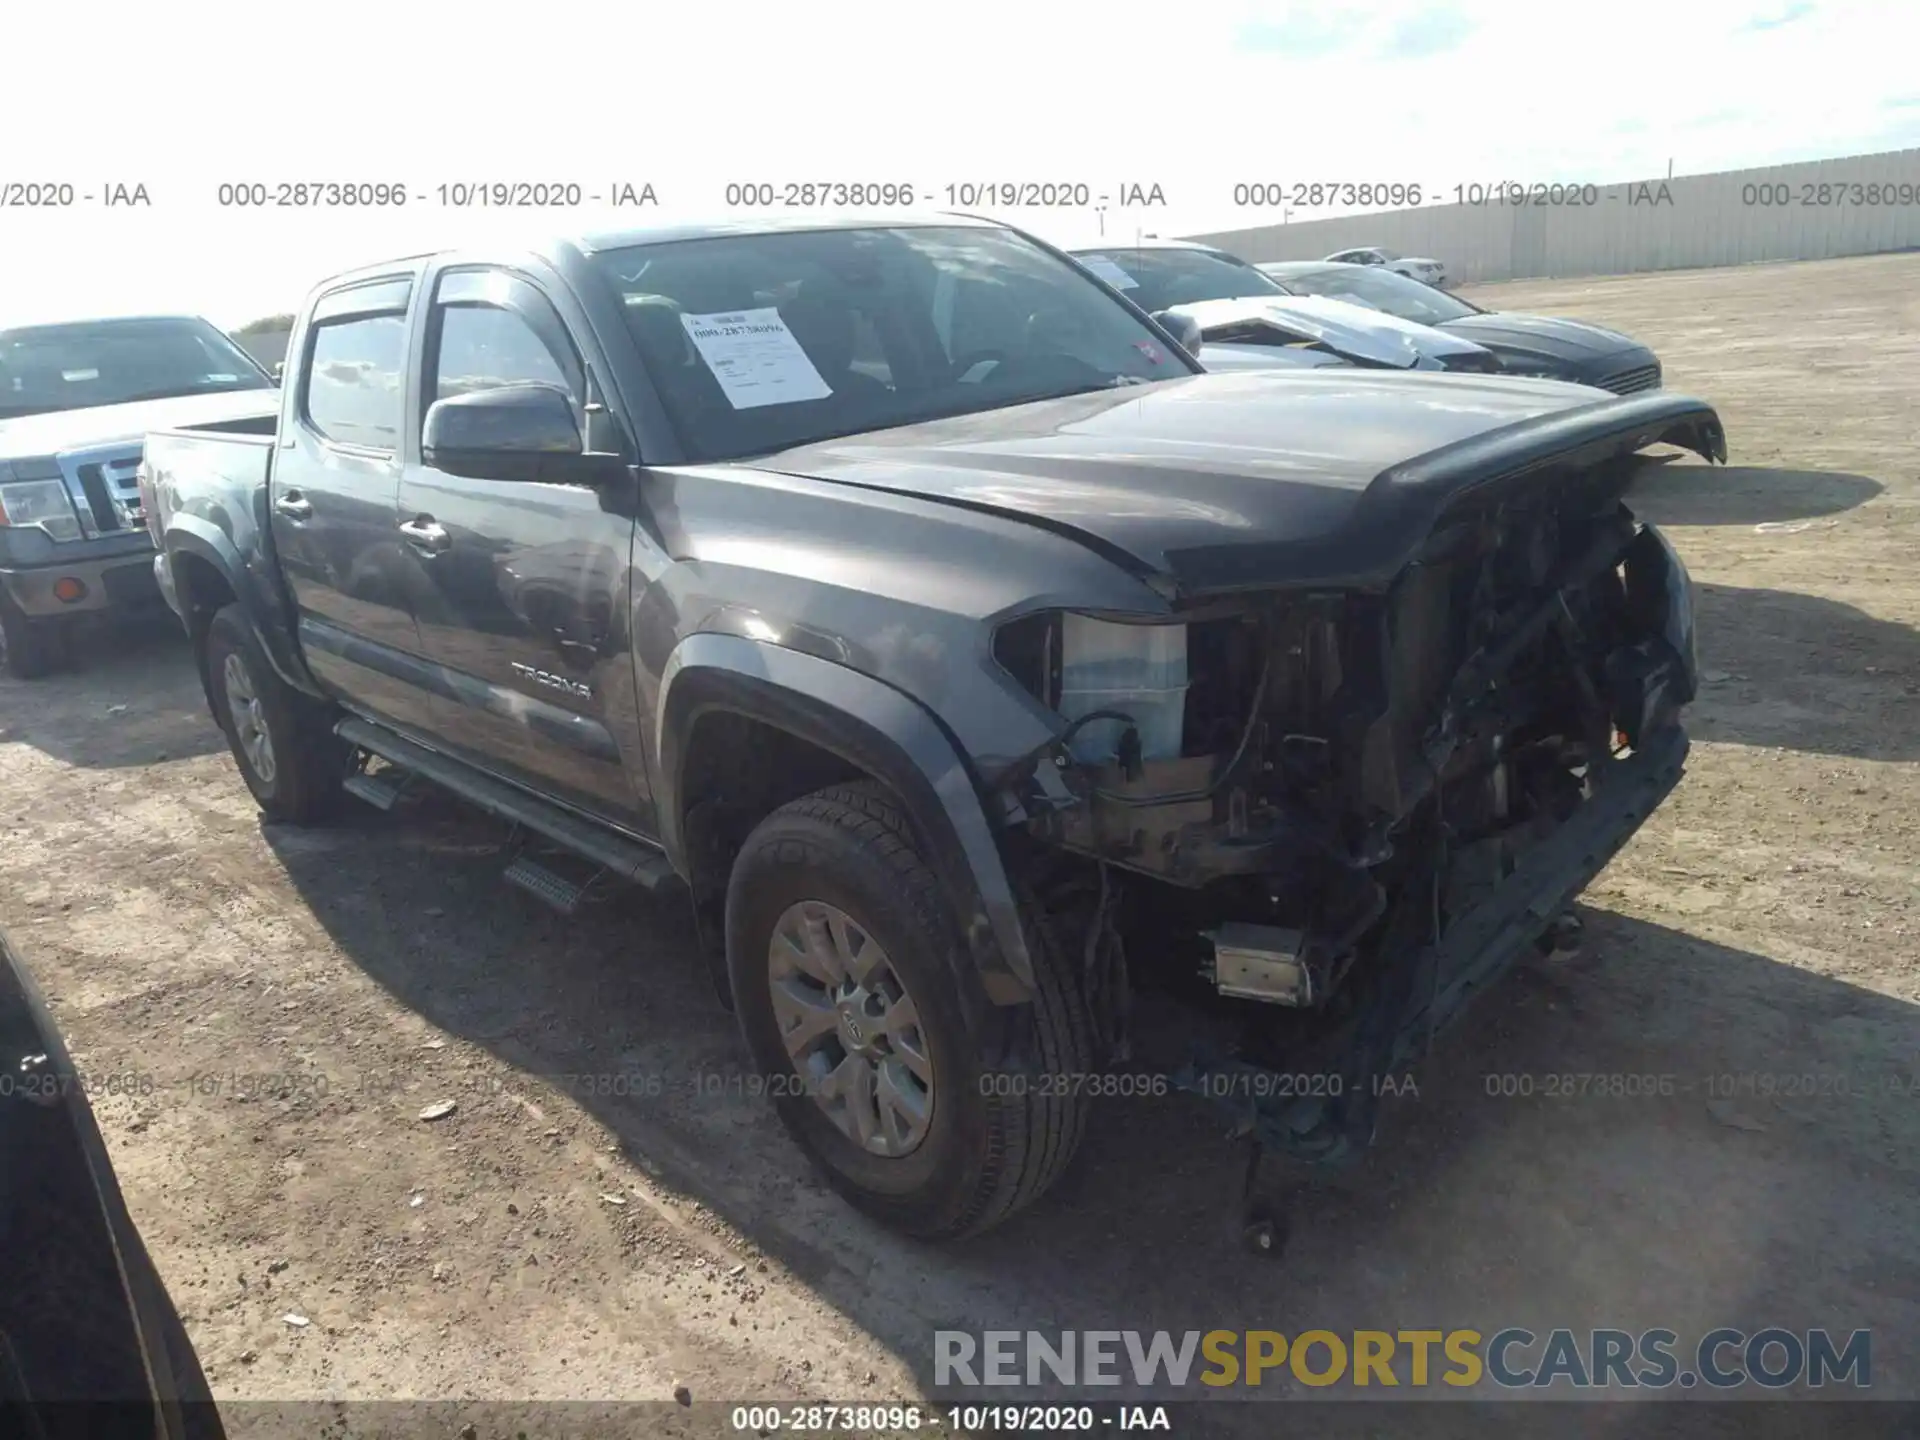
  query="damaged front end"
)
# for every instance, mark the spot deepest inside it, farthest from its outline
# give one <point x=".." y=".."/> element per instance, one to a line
<point x="1324" y="816"/>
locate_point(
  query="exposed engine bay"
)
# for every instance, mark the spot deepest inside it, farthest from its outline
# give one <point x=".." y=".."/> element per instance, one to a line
<point x="1370" y="803"/>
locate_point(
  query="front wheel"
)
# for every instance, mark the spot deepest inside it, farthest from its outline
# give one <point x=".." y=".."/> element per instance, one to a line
<point x="281" y="740"/>
<point x="937" y="1117"/>
<point x="30" y="648"/>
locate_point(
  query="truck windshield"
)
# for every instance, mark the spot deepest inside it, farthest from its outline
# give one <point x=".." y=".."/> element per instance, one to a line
<point x="759" y="342"/>
<point x="113" y="362"/>
<point x="1158" y="279"/>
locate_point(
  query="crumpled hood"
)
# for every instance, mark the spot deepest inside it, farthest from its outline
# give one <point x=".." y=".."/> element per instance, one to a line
<point x="1354" y="331"/>
<point x="1546" y="336"/>
<point x="60" y="430"/>
<point x="1287" y="466"/>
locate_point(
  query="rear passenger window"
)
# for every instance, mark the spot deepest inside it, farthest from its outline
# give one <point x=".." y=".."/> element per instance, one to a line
<point x="482" y="347"/>
<point x="354" y="390"/>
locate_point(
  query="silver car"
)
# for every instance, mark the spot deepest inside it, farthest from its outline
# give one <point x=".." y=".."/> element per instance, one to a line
<point x="1423" y="268"/>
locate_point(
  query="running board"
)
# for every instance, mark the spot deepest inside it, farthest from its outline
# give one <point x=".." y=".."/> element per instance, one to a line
<point x="377" y="790"/>
<point x="626" y="859"/>
<point x="548" y="886"/>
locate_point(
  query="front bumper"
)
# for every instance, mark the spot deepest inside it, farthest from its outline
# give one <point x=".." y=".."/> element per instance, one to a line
<point x="114" y="582"/>
<point x="1476" y="950"/>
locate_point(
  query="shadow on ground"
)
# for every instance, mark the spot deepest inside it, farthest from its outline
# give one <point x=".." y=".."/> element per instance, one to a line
<point x="1651" y="1194"/>
<point x="1673" y="494"/>
<point x="131" y="697"/>
<point x="1805" y="673"/>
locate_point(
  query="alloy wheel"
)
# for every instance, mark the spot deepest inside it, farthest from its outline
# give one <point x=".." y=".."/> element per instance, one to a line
<point x="851" y="1029"/>
<point x="249" y="719"/>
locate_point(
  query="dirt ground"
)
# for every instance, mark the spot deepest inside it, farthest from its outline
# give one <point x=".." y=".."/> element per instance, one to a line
<point x="647" y="1225"/>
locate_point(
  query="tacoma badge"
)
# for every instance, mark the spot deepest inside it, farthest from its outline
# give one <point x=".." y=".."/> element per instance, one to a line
<point x="554" y="682"/>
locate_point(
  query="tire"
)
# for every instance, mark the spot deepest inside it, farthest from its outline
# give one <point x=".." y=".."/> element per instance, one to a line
<point x="997" y="1136"/>
<point x="31" y="648"/>
<point x="297" y="777"/>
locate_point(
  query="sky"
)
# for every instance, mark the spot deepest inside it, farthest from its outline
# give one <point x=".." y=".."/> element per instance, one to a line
<point x="1192" y="97"/>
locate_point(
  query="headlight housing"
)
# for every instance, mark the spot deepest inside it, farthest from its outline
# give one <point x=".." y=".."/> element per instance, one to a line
<point x="42" y="503"/>
<point x="1093" y="669"/>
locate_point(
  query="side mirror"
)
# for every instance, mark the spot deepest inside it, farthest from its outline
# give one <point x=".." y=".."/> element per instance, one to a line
<point x="1184" y="328"/>
<point x="279" y="371"/>
<point x="507" y="432"/>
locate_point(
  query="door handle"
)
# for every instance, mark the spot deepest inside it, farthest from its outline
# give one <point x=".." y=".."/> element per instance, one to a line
<point x="426" y="535"/>
<point x="294" y="505"/>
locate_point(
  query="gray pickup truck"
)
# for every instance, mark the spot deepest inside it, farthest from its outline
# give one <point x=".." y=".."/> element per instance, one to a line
<point x="994" y="683"/>
<point x="76" y="399"/>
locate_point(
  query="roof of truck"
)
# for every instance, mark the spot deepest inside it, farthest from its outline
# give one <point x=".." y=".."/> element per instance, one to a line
<point x="766" y="224"/>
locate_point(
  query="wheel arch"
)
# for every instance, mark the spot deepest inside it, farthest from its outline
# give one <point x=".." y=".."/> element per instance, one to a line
<point x="836" y="724"/>
<point x="209" y="572"/>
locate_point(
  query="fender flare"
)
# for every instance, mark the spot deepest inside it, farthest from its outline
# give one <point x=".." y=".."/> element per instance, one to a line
<point x="884" y="732"/>
<point x="195" y="536"/>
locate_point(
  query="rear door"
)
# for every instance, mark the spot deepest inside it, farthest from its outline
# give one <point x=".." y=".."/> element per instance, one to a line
<point x="523" y="614"/>
<point x="334" y="496"/>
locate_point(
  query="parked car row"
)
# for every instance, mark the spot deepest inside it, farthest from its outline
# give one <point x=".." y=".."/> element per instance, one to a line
<point x="1322" y="312"/>
<point x="908" y="599"/>
<point x="1248" y="321"/>
<point x="1538" y="345"/>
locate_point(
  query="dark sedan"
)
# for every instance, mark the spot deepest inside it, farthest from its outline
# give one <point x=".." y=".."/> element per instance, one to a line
<point x="1525" y="344"/>
<point x="90" y="1341"/>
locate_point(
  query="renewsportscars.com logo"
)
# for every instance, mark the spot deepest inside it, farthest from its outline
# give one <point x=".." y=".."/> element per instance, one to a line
<point x="1772" y="1358"/>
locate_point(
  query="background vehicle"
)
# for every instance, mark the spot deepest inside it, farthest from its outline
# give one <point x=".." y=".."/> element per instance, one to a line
<point x="1540" y="345"/>
<point x="75" y="400"/>
<point x="1415" y="267"/>
<point x="84" y="1316"/>
<point x="926" y="614"/>
<point x="1244" y="315"/>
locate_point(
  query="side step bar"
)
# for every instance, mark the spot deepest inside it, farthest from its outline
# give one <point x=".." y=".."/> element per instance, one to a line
<point x="549" y="887"/>
<point x="377" y="790"/>
<point x="626" y="859"/>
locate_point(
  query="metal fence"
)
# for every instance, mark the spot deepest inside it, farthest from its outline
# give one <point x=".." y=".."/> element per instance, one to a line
<point x="1816" y="210"/>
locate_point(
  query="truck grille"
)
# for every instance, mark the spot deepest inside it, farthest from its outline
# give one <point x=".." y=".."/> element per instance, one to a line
<point x="112" y="492"/>
<point x="1642" y="377"/>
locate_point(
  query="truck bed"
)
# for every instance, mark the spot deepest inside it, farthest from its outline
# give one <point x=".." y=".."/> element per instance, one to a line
<point x="193" y="470"/>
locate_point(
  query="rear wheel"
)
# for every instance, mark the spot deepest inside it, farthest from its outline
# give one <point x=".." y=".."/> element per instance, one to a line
<point x="937" y="1117"/>
<point x="30" y="648"/>
<point x="282" y="741"/>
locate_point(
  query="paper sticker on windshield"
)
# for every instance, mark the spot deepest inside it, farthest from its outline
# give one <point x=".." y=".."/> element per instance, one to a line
<point x="755" y="358"/>
<point x="1148" y="349"/>
<point x="74" y="376"/>
<point x="1109" y="272"/>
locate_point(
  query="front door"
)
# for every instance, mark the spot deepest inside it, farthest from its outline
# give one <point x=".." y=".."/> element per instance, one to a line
<point x="523" y="617"/>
